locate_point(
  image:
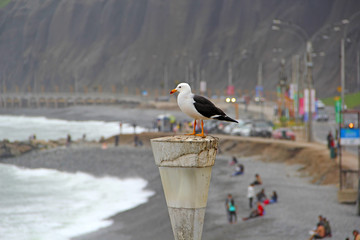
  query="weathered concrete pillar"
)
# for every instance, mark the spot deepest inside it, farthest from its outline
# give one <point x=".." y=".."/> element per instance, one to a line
<point x="185" y="164"/>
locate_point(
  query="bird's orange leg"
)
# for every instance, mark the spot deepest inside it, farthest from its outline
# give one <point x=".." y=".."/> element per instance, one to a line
<point x="202" y="130"/>
<point x="194" y="132"/>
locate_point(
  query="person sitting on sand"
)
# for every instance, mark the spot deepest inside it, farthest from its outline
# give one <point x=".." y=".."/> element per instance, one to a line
<point x="327" y="228"/>
<point x="319" y="233"/>
<point x="274" y="197"/>
<point x="239" y="169"/>
<point x="233" y="161"/>
<point x="257" y="212"/>
<point x="321" y="220"/>
<point x="258" y="180"/>
<point x="261" y="196"/>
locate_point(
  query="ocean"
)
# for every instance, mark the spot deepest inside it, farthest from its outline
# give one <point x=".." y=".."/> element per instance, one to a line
<point x="21" y="127"/>
<point x="44" y="204"/>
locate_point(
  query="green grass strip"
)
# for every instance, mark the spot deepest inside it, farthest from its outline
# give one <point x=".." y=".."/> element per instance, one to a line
<point x="4" y="3"/>
<point x="352" y="100"/>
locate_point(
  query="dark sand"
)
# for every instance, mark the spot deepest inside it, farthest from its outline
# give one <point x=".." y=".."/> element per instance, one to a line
<point x="296" y="213"/>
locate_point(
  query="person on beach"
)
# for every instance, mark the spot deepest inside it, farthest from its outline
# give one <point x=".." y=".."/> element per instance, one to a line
<point x="120" y="125"/>
<point x="251" y="194"/>
<point x="321" y="220"/>
<point x="258" y="212"/>
<point x="117" y="140"/>
<point x="329" y="138"/>
<point x="233" y="161"/>
<point x="273" y="199"/>
<point x="134" y="126"/>
<point x="327" y="228"/>
<point x="227" y="201"/>
<point x="68" y="140"/>
<point x="261" y="196"/>
<point x="319" y="233"/>
<point x="232" y="211"/>
<point x="258" y="180"/>
<point x="239" y="169"/>
<point x="137" y="141"/>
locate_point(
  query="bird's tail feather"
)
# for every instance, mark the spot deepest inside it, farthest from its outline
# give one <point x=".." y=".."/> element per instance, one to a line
<point x="225" y="118"/>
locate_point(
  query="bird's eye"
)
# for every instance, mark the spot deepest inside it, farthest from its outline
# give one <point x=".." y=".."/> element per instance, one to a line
<point x="180" y="87"/>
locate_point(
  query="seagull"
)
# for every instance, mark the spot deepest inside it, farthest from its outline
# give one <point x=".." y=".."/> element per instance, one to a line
<point x="198" y="107"/>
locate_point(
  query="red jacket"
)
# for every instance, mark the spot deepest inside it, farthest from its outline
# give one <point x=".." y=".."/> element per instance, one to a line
<point x="260" y="210"/>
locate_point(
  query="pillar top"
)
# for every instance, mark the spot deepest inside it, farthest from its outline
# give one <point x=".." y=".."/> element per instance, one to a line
<point x="184" y="151"/>
<point x="184" y="138"/>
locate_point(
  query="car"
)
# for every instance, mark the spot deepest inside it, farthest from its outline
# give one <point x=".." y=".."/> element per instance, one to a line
<point x="259" y="100"/>
<point x="284" y="133"/>
<point x="320" y="104"/>
<point x="242" y="129"/>
<point x="261" y="128"/>
<point x="229" y="126"/>
<point x="322" y="115"/>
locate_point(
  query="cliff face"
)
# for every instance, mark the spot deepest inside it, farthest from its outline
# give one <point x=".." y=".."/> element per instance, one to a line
<point x="48" y="43"/>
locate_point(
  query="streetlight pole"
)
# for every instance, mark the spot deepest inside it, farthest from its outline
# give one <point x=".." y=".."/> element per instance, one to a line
<point x="229" y="74"/>
<point x="345" y="22"/>
<point x="342" y="69"/>
<point x="260" y="91"/>
<point x="309" y="65"/>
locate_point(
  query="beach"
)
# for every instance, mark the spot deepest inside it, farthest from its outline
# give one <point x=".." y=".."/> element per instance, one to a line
<point x="300" y="200"/>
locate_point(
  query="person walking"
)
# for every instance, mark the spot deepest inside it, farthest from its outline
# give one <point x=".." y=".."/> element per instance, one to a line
<point x="232" y="211"/>
<point x="251" y="194"/>
<point x="329" y="138"/>
<point x="231" y="207"/>
<point x="227" y="202"/>
<point x="117" y="140"/>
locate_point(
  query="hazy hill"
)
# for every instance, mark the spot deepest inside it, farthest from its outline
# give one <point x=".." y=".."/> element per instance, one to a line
<point x="135" y="43"/>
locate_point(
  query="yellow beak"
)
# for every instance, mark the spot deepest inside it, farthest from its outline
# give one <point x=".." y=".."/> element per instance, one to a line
<point x="172" y="91"/>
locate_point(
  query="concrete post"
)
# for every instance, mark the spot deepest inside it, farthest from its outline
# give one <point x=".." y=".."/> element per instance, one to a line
<point x="185" y="164"/>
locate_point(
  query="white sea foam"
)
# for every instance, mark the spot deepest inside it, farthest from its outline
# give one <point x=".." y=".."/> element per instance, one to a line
<point x="21" y="127"/>
<point x="47" y="204"/>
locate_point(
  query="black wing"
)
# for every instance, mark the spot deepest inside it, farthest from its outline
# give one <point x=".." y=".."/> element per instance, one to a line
<point x="206" y="108"/>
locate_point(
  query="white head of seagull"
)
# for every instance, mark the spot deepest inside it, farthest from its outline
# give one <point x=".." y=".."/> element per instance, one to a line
<point x="198" y="107"/>
<point x="182" y="88"/>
